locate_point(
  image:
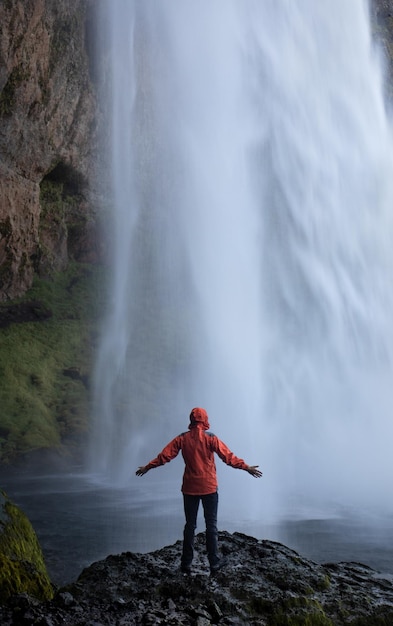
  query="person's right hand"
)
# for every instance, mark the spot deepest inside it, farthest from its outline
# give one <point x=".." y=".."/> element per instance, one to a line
<point x="254" y="471"/>
<point x="142" y="470"/>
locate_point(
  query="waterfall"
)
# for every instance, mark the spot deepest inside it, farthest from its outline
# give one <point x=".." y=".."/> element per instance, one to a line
<point x="252" y="265"/>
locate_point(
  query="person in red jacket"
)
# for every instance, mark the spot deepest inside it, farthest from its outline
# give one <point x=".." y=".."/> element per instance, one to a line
<point x="198" y="446"/>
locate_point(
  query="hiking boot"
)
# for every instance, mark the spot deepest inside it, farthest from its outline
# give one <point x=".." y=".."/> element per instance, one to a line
<point x="223" y="562"/>
<point x="185" y="569"/>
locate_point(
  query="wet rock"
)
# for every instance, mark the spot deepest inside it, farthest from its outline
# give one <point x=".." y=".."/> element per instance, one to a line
<point x="22" y="567"/>
<point x="264" y="583"/>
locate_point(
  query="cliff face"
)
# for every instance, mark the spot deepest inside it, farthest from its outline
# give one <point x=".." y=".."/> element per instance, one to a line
<point x="47" y="130"/>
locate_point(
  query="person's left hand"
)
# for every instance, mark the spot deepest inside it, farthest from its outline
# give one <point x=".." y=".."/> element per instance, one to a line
<point x="254" y="471"/>
<point x="142" y="470"/>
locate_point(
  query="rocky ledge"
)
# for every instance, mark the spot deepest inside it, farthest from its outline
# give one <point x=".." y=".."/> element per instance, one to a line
<point x="264" y="582"/>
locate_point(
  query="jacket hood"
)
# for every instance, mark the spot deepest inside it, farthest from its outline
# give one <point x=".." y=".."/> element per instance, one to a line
<point x="199" y="417"/>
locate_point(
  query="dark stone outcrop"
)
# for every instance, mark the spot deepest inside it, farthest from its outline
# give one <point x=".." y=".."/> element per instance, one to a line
<point x="264" y="582"/>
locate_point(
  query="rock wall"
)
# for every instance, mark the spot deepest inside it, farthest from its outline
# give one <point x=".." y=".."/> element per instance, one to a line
<point x="47" y="136"/>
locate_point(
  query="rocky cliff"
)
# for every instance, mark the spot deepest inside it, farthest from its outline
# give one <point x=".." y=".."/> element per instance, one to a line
<point x="47" y="134"/>
<point x="264" y="583"/>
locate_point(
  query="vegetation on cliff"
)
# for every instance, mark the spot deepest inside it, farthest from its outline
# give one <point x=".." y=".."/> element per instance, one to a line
<point x="47" y="345"/>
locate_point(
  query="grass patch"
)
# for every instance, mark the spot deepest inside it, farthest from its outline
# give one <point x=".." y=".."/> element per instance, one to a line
<point x="45" y="365"/>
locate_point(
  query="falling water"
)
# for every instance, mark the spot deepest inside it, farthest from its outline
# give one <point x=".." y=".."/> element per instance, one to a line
<point x="252" y="173"/>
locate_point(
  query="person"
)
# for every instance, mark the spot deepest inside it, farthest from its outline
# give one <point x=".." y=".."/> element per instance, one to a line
<point x="198" y="446"/>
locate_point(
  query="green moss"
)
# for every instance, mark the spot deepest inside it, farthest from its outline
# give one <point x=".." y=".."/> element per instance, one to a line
<point x="62" y="220"/>
<point x="22" y="567"/>
<point x="322" y="584"/>
<point x="41" y="404"/>
<point x="259" y="605"/>
<point x="51" y="192"/>
<point x="299" y="611"/>
<point x="312" y="619"/>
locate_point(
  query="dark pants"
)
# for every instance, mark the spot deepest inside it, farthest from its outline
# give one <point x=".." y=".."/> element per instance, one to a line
<point x="191" y="505"/>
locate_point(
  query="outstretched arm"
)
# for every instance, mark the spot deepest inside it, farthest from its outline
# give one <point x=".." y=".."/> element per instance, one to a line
<point x="229" y="458"/>
<point x="254" y="471"/>
<point x="167" y="454"/>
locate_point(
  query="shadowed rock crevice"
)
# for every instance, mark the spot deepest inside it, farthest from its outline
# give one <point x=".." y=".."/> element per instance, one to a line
<point x="67" y="230"/>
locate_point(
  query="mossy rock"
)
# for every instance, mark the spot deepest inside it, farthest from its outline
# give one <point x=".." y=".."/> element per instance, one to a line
<point x="22" y="566"/>
<point x="299" y="611"/>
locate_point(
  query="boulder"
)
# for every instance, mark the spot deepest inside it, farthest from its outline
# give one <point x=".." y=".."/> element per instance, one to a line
<point x="22" y="567"/>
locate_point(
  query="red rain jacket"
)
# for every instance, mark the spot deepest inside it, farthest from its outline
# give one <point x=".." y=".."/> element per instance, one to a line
<point x="198" y="447"/>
